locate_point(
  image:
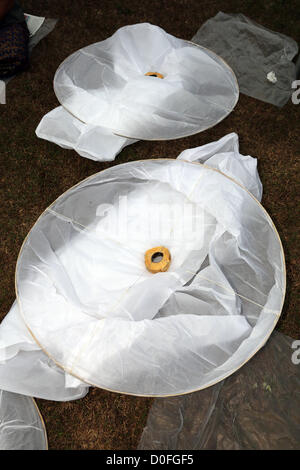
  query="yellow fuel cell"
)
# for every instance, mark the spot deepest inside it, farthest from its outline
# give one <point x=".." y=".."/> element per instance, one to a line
<point x="154" y="74"/>
<point x="158" y="259"/>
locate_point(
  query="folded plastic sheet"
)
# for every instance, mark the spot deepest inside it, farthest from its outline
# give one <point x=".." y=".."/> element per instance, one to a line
<point x="260" y="58"/>
<point x="108" y="100"/>
<point x="25" y="366"/>
<point x="21" y="426"/>
<point x="257" y="408"/>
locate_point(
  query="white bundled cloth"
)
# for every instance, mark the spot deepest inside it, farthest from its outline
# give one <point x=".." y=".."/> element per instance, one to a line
<point x="99" y="317"/>
<point x="108" y="101"/>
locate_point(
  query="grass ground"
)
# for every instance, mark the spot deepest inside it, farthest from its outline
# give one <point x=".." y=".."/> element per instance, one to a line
<point x="34" y="172"/>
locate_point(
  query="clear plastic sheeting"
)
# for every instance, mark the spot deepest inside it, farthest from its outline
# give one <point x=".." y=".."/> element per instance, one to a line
<point x="21" y="426"/>
<point x="260" y="58"/>
<point x="257" y="408"/>
<point x="105" y="84"/>
<point x="89" y="302"/>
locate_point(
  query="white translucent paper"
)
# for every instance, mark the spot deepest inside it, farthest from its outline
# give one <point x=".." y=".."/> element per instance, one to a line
<point x="90" y="303"/>
<point x="105" y="84"/>
<point x="21" y="426"/>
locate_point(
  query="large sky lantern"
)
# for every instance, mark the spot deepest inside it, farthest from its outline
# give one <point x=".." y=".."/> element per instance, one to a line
<point x="139" y="84"/>
<point x="152" y="278"/>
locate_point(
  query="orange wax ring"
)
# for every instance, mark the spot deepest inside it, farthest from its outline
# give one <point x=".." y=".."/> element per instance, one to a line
<point x="157" y="259"/>
<point x="154" y="74"/>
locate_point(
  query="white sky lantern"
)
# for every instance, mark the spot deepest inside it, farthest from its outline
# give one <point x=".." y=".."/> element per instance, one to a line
<point x="141" y="83"/>
<point x="90" y="301"/>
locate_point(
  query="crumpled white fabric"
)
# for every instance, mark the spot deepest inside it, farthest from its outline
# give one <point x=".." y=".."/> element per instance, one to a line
<point x="225" y="156"/>
<point x="108" y="102"/>
<point x="26" y="369"/>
